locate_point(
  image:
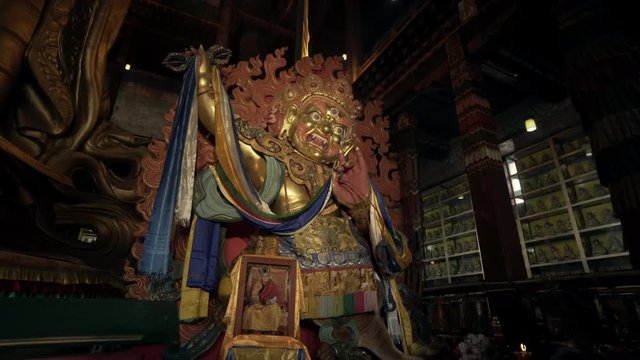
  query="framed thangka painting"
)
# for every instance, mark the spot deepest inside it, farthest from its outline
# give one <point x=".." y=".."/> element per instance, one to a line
<point x="266" y="296"/>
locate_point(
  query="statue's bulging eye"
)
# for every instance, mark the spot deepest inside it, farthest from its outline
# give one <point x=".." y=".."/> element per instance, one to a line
<point x="315" y="116"/>
<point x="338" y="130"/>
<point x="334" y="112"/>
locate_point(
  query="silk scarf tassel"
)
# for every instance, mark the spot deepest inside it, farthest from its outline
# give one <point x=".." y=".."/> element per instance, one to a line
<point x="187" y="175"/>
<point x="203" y="263"/>
<point x="157" y="244"/>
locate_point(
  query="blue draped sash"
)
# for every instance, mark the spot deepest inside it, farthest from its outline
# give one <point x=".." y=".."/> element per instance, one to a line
<point x="157" y="243"/>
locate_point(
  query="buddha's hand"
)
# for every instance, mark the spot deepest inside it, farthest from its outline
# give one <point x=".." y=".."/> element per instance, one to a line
<point x="351" y="179"/>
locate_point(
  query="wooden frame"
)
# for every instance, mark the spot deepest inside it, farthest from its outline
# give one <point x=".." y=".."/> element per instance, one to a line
<point x="254" y="271"/>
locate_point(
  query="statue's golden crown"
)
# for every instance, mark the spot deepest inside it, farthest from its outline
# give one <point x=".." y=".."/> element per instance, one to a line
<point x="336" y="89"/>
<point x="262" y="90"/>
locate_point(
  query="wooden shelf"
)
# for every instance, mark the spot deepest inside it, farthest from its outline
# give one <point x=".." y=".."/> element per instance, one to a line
<point x="460" y="234"/>
<point x="608" y="256"/>
<point x="533" y="168"/>
<point x="464" y="253"/>
<point x="458" y="215"/>
<point x="467" y="274"/>
<point x="549" y="237"/>
<point x="600" y="227"/>
<point x="544" y="213"/>
<point x="530" y="193"/>
<point x="574" y="152"/>
<point x="430" y="207"/>
<point x="455" y="197"/>
<point x="591" y="201"/>
<point x="444" y="203"/>
<point x="562" y="190"/>
<point x="439" y="258"/>
<point x="586" y="176"/>
<point x="556" y="263"/>
<point x="433" y="223"/>
<point x="432" y="241"/>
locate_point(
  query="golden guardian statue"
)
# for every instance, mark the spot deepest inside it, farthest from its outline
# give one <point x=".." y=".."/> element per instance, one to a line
<point x="287" y="166"/>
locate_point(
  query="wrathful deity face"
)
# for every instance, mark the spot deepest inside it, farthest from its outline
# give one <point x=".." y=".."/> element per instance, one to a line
<point x="320" y="129"/>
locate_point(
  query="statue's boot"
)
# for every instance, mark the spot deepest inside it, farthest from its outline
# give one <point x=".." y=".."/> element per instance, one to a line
<point x="375" y="338"/>
<point x="342" y="337"/>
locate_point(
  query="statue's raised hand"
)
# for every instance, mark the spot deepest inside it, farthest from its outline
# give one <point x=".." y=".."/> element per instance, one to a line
<point x="203" y="71"/>
<point x="351" y="179"/>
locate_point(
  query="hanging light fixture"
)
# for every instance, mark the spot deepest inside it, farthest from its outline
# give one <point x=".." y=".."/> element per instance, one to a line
<point x="530" y="124"/>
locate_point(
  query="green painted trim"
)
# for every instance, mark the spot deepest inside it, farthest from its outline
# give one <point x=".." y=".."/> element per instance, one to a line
<point x="40" y="321"/>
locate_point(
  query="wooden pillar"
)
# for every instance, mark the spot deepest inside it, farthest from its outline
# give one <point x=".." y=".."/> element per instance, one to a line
<point x="226" y="21"/>
<point x="603" y="77"/>
<point x="495" y="224"/>
<point x="117" y="68"/>
<point x="353" y="26"/>
<point x="405" y="142"/>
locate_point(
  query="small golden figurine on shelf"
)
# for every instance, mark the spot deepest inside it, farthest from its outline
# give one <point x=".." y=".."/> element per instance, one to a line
<point x="583" y="194"/>
<point x="554" y="253"/>
<point x="599" y="190"/>
<point x="541" y="255"/>
<point x="578" y="170"/>
<point x="438" y="251"/>
<point x="454" y="268"/>
<point x="591" y="220"/>
<point x="615" y="243"/>
<point x="472" y="244"/>
<point x="450" y="229"/>
<point x="569" y="252"/>
<point x="607" y="216"/>
<point x="529" y="209"/>
<point x="548" y="229"/>
<point x="549" y="179"/>
<point x="597" y="248"/>
<point x="563" y="227"/>
<point x="541" y="206"/>
<point x="538" y="232"/>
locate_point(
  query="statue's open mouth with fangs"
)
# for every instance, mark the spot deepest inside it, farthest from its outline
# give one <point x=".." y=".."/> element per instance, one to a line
<point x="317" y="140"/>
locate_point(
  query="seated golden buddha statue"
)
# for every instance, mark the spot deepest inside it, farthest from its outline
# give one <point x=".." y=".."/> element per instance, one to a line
<point x="288" y="163"/>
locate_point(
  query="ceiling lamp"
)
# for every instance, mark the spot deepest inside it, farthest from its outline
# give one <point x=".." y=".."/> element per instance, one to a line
<point x="530" y="125"/>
